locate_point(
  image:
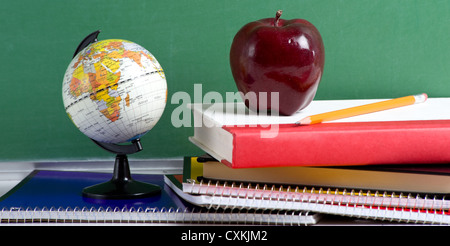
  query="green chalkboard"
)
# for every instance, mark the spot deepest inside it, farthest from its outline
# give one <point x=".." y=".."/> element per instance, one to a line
<point x="374" y="49"/>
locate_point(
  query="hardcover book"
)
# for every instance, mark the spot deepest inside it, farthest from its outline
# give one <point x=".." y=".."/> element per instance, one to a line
<point x="239" y="138"/>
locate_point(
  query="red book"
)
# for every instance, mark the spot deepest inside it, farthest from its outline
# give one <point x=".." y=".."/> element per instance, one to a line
<point x="416" y="134"/>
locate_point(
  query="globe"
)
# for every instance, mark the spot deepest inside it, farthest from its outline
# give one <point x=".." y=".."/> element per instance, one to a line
<point x="114" y="91"/>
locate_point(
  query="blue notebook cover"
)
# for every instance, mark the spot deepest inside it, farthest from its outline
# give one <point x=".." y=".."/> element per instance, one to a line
<point x="60" y="189"/>
<point x="56" y="196"/>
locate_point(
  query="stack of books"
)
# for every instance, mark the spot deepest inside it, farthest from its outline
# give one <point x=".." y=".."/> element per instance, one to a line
<point x="389" y="165"/>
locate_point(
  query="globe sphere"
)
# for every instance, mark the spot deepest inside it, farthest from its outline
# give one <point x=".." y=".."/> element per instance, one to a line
<point x="114" y="91"/>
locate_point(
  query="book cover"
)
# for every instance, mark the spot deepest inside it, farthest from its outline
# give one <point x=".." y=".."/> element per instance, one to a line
<point x="415" y="134"/>
<point x="56" y="197"/>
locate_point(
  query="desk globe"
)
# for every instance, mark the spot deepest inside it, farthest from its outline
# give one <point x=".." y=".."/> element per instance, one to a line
<point x="115" y="91"/>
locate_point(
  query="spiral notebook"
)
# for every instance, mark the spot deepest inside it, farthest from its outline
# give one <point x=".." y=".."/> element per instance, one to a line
<point x="55" y="197"/>
<point x="418" y="208"/>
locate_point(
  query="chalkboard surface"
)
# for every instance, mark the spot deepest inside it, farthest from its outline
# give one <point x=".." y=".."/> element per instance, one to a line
<point x="374" y="49"/>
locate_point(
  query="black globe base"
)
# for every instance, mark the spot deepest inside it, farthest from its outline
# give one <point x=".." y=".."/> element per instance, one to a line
<point x="121" y="185"/>
<point x="129" y="190"/>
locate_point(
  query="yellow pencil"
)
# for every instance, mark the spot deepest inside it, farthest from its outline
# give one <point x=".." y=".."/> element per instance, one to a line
<point x="363" y="109"/>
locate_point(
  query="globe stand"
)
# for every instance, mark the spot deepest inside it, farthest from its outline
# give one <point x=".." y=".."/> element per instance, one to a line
<point x="121" y="185"/>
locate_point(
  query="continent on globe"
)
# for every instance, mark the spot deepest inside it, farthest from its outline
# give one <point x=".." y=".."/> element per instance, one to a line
<point x="114" y="91"/>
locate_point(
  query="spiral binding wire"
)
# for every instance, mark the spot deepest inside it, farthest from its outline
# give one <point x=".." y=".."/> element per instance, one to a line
<point x="152" y="215"/>
<point x="377" y="205"/>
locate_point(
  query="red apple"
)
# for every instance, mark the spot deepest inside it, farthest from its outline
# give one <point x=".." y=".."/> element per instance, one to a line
<point x="276" y="55"/>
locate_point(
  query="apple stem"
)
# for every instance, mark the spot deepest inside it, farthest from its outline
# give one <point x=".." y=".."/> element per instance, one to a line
<point x="277" y="17"/>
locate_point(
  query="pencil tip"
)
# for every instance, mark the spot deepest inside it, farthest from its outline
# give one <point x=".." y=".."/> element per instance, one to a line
<point x="305" y="121"/>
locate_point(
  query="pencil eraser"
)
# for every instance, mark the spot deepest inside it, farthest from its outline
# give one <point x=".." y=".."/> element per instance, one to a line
<point x="421" y="98"/>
